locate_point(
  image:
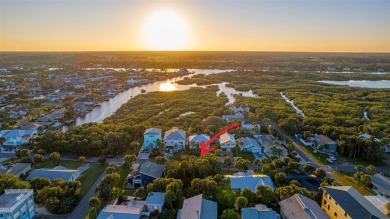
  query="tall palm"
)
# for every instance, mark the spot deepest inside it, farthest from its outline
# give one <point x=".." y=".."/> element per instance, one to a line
<point x="227" y="160"/>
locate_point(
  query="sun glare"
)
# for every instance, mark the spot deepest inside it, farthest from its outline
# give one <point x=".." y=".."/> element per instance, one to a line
<point x="166" y="30"/>
<point x="167" y="86"/>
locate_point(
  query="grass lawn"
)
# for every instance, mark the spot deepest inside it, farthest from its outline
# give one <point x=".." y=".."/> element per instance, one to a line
<point x="91" y="212"/>
<point x="350" y="181"/>
<point x="123" y="172"/>
<point x="90" y="176"/>
<point x="318" y="157"/>
<point x="66" y="163"/>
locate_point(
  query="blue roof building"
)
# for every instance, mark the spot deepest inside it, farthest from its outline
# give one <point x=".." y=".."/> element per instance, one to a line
<point x="259" y="212"/>
<point x="198" y="208"/>
<point x="16" y="137"/>
<point x="151" y="136"/>
<point x="55" y="173"/>
<point x="17" y="204"/>
<point x="197" y="139"/>
<point x="249" y="144"/>
<point x="243" y="180"/>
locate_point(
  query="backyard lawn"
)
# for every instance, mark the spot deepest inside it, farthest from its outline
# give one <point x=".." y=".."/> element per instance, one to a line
<point x="318" y="157"/>
<point x="90" y="176"/>
<point x="123" y="172"/>
<point x="350" y="181"/>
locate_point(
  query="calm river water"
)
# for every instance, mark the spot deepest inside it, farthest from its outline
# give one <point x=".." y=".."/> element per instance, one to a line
<point x="107" y="108"/>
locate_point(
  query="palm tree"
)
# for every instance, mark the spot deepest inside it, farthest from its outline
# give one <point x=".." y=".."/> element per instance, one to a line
<point x="257" y="163"/>
<point x="273" y="150"/>
<point x="241" y="202"/>
<point x="238" y="146"/>
<point x="227" y="160"/>
<point x="130" y="159"/>
<point x="82" y="159"/>
<point x="94" y="202"/>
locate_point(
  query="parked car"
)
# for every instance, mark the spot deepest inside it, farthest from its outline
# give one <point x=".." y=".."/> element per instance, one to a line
<point x="332" y="158"/>
<point x="166" y="155"/>
<point x="315" y="151"/>
<point x="109" y="156"/>
<point x="329" y="160"/>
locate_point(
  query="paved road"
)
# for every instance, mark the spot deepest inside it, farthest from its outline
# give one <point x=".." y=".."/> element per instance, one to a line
<point x="347" y="167"/>
<point x="82" y="208"/>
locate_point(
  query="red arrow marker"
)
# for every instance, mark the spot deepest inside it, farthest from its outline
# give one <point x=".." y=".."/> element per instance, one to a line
<point x="203" y="146"/>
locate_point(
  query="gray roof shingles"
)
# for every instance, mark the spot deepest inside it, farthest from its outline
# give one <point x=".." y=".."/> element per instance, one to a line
<point x="152" y="169"/>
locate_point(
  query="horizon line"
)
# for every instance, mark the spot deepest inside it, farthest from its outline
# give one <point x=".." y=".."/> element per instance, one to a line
<point x="282" y="51"/>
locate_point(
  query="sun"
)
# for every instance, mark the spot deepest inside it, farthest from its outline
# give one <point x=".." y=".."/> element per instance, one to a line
<point x="166" y="30"/>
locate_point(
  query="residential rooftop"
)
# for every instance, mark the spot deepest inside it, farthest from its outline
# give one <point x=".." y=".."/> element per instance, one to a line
<point x="299" y="206"/>
<point x="353" y="203"/>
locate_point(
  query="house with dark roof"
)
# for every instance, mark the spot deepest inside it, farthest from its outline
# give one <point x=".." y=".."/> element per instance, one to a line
<point x="195" y="140"/>
<point x="175" y="139"/>
<point x="58" y="172"/>
<point x="325" y="141"/>
<point x="346" y="202"/>
<point x="381" y="184"/>
<point x="198" y="208"/>
<point x="241" y="180"/>
<point x="300" y="206"/>
<point x="148" y="172"/>
<point x="151" y="136"/>
<point x="259" y="212"/>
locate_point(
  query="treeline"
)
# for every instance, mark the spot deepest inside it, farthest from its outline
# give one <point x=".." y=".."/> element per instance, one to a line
<point x="332" y="110"/>
<point x="156" y="109"/>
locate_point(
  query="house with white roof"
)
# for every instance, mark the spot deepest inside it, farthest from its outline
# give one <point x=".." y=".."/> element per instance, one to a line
<point x="16" y="137"/>
<point x="151" y="136"/>
<point x="227" y="142"/>
<point x="134" y="209"/>
<point x="241" y="180"/>
<point x="58" y="172"/>
<point x="198" y="208"/>
<point x="194" y="141"/>
<point x="175" y="139"/>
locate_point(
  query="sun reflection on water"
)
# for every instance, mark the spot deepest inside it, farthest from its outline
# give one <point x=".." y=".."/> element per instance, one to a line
<point x="167" y="86"/>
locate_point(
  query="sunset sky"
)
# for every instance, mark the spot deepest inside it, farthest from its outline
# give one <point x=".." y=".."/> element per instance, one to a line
<point x="218" y="25"/>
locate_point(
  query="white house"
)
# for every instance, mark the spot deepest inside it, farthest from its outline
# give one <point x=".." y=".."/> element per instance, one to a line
<point x="175" y="138"/>
<point x="239" y="108"/>
<point x="227" y="142"/>
<point x="195" y="140"/>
